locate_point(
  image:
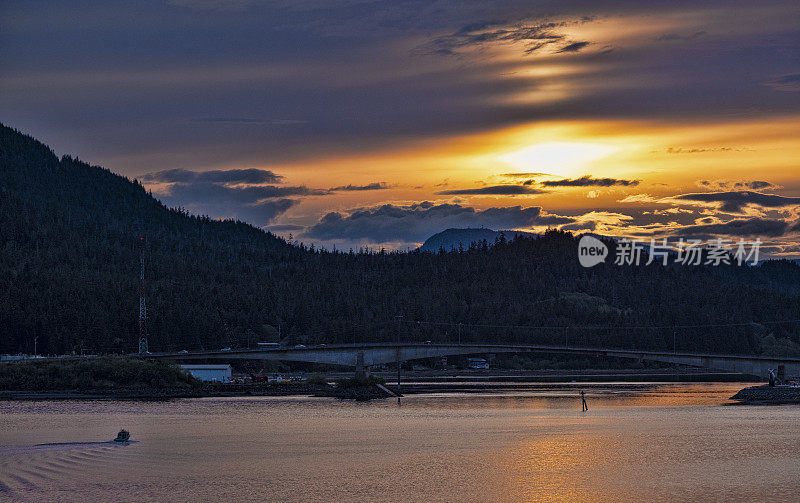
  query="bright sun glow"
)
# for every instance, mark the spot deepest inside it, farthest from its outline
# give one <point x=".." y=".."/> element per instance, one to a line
<point x="558" y="158"/>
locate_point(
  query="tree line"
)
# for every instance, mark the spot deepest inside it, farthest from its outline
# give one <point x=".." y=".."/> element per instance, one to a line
<point x="69" y="280"/>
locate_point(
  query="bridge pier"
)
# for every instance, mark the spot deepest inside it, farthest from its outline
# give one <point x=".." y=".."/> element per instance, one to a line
<point x="362" y="370"/>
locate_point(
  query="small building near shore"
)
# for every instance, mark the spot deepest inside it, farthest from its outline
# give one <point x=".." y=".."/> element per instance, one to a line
<point x="212" y="373"/>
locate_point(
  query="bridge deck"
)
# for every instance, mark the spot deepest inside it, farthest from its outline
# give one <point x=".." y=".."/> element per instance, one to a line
<point x="367" y="354"/>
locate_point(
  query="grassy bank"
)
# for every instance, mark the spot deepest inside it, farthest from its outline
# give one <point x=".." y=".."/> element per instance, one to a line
<point x="133" y="378"/>
<point x="83" y="374"/>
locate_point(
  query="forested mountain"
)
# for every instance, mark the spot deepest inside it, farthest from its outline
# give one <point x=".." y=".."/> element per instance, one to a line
<point x="69" y="276"/>
<point x="454" y="239"/>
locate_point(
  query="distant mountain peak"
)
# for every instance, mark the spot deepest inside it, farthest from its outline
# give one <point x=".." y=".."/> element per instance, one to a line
<point x="451" y="239"/>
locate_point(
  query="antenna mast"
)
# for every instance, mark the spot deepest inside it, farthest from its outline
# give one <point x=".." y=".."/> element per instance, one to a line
<point x="143" y="350"/>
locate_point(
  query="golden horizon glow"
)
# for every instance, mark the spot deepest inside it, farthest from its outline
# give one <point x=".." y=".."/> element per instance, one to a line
<point x="664" y="159"/>
<point x="558" y="157"/>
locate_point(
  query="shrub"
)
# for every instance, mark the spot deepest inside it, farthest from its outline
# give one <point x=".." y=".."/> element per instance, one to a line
<point x="86" y="373"/>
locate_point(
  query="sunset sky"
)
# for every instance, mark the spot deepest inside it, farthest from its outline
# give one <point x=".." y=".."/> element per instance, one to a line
<point x="366" y="123"/>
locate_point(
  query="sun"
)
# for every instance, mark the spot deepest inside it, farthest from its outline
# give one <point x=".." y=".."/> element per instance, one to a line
<point x="557" y="158"/>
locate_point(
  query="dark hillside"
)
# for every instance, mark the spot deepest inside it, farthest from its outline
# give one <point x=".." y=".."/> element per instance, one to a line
<point x="69" y="276"/>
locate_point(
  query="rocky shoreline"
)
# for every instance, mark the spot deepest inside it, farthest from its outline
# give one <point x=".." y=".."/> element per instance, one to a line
<point x="766" y="395"/>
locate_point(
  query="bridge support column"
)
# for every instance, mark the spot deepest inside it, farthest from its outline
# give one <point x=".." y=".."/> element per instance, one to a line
<point x="362" y="371"/>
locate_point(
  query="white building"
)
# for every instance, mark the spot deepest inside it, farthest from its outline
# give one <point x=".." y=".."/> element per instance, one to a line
<point x="216" y="373"/>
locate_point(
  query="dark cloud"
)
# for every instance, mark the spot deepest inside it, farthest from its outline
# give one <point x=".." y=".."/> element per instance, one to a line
<point x="285" y="228"/>
<point x="651" y="221"/>
<point x="265" y="210"/>
<point x="756" y="185"/>
<point x="236" y="193"/>
<point x="727" y="184"/>
<point x="790" y="82"/>
<point x="532" y="36"/>
<point x="588" y="181"/>
<point x="181" y="193"/>
<point x="231" y="176"/>
<point x="417" y="222"/>
<point x="574" y="47"/>
<point x="172" y="84"/>
<point x="523" y="175"/>
<point x="744" y="227"/>
<point x="249" y="120"/>
<point x="498" y="190"/>
<point x="670" y="37"/>
<point x="793" y="78"/>
<point x="369" y="186"/>
<point x="133" y="84"/>
<point x="259" y="213"/>
<point x="701" y="150"/>
<point x="229" y="194"/>
<point x="735" y="201"/>
<point x="590" y="226"/>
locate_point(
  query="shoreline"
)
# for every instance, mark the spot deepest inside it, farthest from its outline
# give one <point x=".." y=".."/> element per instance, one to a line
<point x="210" y="391"/>
<point x="110" y="379"/>
<point x="364" y="392"/>
<point x="766" y="395"/>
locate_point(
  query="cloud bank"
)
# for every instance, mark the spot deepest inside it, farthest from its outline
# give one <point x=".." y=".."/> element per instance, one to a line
<point x="414" y="223"/>
<point x="495" y="190"/>
<point x="248" y="176"/>
<point x="588" y="181"/>
<point x="736" y="201"/>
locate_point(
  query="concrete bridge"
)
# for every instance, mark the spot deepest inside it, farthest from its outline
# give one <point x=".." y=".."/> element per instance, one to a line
<point x="362" y="356"/>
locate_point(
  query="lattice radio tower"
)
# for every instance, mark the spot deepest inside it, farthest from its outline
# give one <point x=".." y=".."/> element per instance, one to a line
<point x="142" y="303"/>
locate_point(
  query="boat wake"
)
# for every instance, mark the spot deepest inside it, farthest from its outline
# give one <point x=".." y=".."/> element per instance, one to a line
<point x="30" y="470"/>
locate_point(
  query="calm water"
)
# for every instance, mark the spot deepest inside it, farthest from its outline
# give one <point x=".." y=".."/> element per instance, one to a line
<point x="636" y="443"/>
